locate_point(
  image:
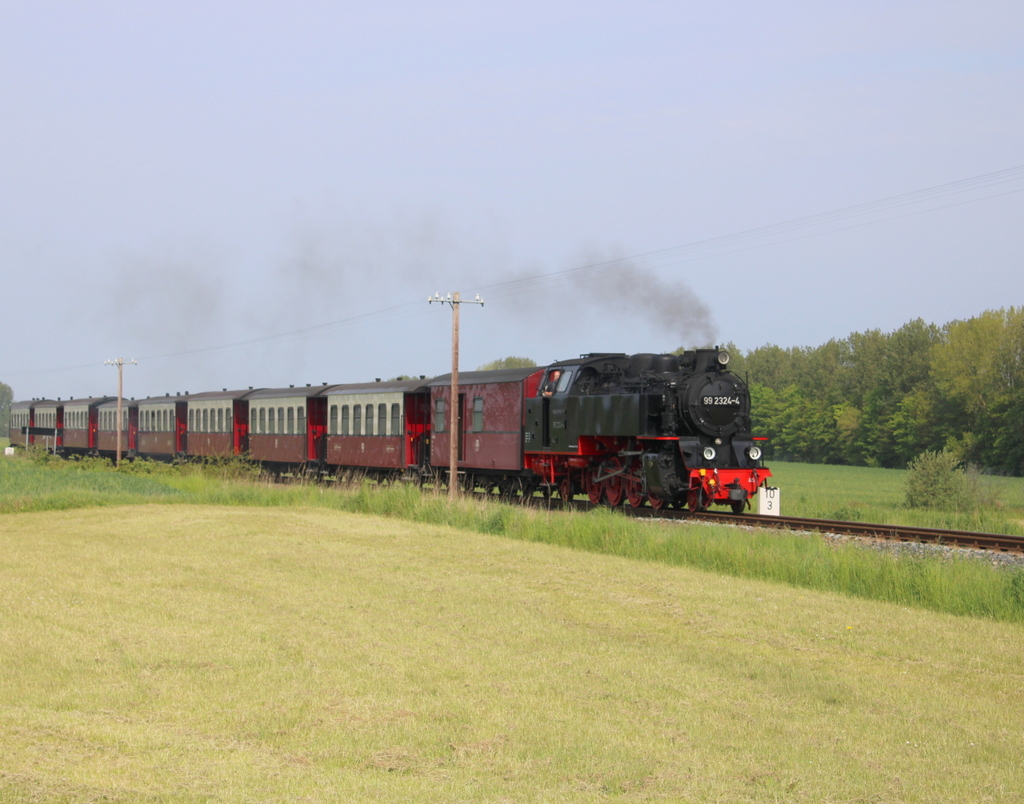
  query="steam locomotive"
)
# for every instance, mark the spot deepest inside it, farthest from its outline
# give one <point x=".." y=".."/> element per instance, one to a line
<point x="654" y="429"/>
<point x="661" y="428"/>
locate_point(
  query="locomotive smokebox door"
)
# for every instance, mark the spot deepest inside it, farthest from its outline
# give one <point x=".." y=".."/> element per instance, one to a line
<point x="768" y="501"/>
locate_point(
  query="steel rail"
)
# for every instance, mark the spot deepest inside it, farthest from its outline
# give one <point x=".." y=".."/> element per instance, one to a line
<point x="994" y="542"/>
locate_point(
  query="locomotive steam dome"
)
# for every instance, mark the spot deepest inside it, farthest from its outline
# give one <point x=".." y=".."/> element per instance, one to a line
<point x="717" y="404"/>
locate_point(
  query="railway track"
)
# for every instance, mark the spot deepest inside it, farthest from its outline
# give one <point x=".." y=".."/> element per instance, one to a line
<point x="993" y="542"/>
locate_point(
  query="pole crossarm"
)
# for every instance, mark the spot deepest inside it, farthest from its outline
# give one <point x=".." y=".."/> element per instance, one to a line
<point x="456" y="301"/>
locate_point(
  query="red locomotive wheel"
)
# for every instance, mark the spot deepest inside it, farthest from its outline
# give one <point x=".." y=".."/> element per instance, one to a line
<point x="698" y="500"/>
<point x="565" y="489"/>
<point x="614" y="491"/>
<point x="656" y="502"/>
<point x="635" y="492"/>
<point x="594" y="490"/>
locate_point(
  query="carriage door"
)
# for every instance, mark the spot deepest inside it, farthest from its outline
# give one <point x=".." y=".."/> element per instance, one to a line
<point x="462" y="427"/>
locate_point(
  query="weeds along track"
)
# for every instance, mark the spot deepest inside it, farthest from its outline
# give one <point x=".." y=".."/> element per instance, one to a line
<point x="991" y="542"/>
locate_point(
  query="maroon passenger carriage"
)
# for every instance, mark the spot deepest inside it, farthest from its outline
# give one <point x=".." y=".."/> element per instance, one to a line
<point x="162" y="427"/>
<point x="33" y="413"/>
<point x="381" y="429"/>
<point x="20" y="416"/>
<point x="286" y="427"/>
<point x="81" y="425"/>
<point x="48" y="414"/>
<point x="107" y="427"/>
<point x="217" y="424"/>
<point x="491" y="419"/>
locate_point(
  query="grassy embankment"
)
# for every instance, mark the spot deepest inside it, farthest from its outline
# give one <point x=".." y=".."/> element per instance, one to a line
<point x="195" y="653"/>
<point x="964" y="587"/>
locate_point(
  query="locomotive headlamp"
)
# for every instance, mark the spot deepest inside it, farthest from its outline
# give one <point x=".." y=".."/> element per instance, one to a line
<point x="709" y="453"/>
<point x="754" y="453"/>
<point x="724" y="357"/>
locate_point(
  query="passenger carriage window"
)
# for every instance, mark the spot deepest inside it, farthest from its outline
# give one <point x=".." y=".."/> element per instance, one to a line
<point x="357" y="418"/>
<point x="344" y="419"/>
<point x="332" y="425"/>
<point x="478" y="414"/>
<point x="291" y="421"/>
<point x="220" y="420"/>
<point x="439" y="415"/>
<point x="300" y="420"/>
<point x="270" y="421"/>
<point x="228" y="415"/>
<point x="206" y="420"/>
<point x="396" y="419"/>
<point x="280" y="421"/>
<point x="369" y="420"/>
<point x="263" y="421"/>
<point x="382" y="419"/>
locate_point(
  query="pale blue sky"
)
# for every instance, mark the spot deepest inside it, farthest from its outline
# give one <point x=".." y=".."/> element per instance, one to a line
<point x="185" y="176"/>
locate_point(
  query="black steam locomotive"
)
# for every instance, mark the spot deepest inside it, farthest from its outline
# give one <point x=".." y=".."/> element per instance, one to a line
<point x="658" y="428"/>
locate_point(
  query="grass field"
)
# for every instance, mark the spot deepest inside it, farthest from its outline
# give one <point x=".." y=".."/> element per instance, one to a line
<point x="966" y="587"/>
<point x="187" y="653"/>
<point x="877" y="495"/>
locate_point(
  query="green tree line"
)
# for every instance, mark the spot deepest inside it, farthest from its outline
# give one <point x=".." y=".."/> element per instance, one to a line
<point x="6" y="397"/>
<point x="881" y="399"/>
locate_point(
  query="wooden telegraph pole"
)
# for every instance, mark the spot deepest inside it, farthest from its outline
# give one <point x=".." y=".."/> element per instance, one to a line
<point x="455" y="300"/>
<point x="120" y="399"/>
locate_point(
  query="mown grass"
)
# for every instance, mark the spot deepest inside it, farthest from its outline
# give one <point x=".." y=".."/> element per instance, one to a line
<point x="963" y="586"/>
<point x="192" y="653"/>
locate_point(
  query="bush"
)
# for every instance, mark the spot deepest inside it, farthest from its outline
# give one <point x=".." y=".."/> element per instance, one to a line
<point x="935" y="480"/>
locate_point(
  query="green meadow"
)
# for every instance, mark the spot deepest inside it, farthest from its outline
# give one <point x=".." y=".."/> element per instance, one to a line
<point x="878" y="495"/>
<point x="199" y="653"/>
<point x="198" y="636"/>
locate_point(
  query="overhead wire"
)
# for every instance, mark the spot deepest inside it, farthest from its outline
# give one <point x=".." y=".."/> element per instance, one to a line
<point x="707" y="248"/>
